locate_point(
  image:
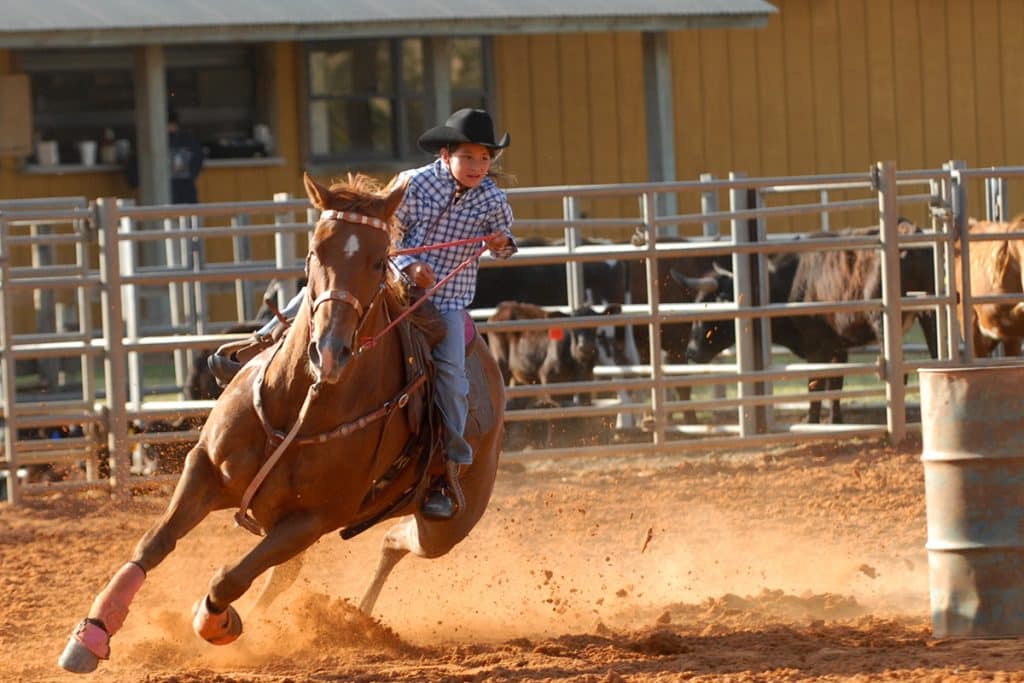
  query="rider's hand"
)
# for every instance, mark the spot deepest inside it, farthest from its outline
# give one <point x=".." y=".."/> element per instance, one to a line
<point x="421" y="274"/>
<point x="502" y="245"/>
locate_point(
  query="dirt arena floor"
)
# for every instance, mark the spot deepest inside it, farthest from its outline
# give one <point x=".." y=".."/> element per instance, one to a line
<point x="799" y="563"/>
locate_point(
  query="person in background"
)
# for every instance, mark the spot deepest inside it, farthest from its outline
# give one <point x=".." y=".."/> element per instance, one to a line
<point x="186" y="162"/>
<point x="186" y="155"/>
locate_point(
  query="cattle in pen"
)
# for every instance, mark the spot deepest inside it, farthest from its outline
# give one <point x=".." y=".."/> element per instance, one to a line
<point x="996" y="267"/>
<point x="548" y="356"/>
<point x="826" y="275"/>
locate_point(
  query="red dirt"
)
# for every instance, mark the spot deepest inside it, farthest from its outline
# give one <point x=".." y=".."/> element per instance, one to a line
<point x="802" y="563"/>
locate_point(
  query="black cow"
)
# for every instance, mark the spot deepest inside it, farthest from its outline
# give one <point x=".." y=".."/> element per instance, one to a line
<point x="672" y="289"/>
<point x="821" y="276"/>
<point x="604" y="282"/>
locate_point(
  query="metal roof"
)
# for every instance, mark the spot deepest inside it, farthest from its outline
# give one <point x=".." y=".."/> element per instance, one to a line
<point x="79" y="23"/>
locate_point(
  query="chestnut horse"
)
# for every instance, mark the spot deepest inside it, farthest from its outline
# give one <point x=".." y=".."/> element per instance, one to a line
<point x="996" y="268"/>
<point x="342" y="402"/>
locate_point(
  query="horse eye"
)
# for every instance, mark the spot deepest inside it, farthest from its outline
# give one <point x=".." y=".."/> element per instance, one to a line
<point x="379" y="265"/>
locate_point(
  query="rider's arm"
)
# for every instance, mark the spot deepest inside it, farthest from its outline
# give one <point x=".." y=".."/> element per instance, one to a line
<point x="503" y="245"/>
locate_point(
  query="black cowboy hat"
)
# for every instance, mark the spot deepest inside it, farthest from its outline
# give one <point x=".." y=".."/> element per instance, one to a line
<point x="465" y="125"/>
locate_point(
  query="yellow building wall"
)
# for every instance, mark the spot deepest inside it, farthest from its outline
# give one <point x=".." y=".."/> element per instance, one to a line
<point x="828" y="86"/>
<point x="215" y="184"/>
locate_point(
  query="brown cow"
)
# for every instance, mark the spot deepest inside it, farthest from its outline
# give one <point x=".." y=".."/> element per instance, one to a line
<point x="995" y="269"/>
<point x="548" y="356"/>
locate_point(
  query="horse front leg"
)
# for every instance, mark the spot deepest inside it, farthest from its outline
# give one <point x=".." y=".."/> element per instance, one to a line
<point x="215" y="620"/>
<point x="197" y="493"/>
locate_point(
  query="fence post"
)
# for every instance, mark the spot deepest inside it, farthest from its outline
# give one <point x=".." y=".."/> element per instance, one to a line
<point x="177" y="293"/>
<point x="7" y="370"/>
<point x="83" y="253"/>
<point x="959" y="207"/>
<point x="892" y="317"/>
<point x="944" y="328"/>
<point x="42" y="256"/>
<point x="575" y="293"/>
<point x="743" y="297"/>
<point x="284" y="251"/>
<point x="762" y="326"/>
<point x="242" y="247"/>
<point x="197" y="256"/>
<point x="116" y="362"/>
<point x="648" y="207"/>
<point x="709" y="204"/>
<point x="125" y="253"/>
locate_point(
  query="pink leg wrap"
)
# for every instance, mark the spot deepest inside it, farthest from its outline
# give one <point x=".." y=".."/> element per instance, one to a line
<point x="111" y="606"/>
<point x="94" y="638"/>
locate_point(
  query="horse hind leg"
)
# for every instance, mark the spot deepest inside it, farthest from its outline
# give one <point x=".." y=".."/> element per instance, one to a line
<point x="399" y="540"/>
<point x="429" y="539"/>
<point x="194" y="497"/>
<point x="280" y="579"/>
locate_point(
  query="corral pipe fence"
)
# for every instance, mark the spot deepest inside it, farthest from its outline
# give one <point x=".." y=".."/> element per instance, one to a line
<point x="133" y="292"/>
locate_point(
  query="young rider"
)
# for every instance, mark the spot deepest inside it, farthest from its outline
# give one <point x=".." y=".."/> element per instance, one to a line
<point x="452" y="198"/>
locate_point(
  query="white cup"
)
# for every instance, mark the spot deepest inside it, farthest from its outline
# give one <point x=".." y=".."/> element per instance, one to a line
<point x="87" y="152"/>
<point x="47" y="153"/>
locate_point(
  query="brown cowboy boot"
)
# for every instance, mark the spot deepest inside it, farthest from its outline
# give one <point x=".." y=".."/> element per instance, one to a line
<point x="445" y="500"/>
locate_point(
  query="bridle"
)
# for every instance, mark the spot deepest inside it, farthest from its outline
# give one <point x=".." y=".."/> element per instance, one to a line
<point x="343" y="295"/>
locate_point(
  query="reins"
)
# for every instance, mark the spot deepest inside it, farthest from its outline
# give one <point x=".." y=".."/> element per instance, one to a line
<point x="370" y="342"/>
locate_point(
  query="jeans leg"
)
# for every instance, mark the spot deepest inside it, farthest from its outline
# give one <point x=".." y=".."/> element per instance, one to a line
<point x="452" y="394"/>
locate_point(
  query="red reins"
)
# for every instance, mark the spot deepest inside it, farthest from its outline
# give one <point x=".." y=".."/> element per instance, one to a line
<point x="370" y="342"/>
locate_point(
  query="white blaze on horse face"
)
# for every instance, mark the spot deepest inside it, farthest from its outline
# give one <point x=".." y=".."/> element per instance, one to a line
<point x="351" y="246"/>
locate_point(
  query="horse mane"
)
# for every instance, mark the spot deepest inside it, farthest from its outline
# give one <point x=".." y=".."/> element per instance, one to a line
<point x="363" y="194"/>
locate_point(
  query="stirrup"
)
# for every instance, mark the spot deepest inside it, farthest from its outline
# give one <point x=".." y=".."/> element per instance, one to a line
<point x="445" y="499"/>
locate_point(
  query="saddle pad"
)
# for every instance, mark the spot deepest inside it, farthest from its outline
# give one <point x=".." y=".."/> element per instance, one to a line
<point x="470" y="330"/>
<point x="481" y="412"/>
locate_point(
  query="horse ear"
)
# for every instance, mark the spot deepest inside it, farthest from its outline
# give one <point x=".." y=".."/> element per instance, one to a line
<point x="317" y="193"/>
<point x="395" y="192"/>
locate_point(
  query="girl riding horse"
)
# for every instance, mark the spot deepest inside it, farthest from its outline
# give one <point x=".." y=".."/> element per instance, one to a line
<point x="306" y="438"/>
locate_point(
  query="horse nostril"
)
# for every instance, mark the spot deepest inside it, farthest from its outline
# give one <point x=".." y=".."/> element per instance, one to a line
<point x="314" y="354"/>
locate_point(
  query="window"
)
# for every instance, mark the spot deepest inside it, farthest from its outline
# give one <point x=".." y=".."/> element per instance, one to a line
<point x="80" y="94"/>
<point x="368" y="99"/>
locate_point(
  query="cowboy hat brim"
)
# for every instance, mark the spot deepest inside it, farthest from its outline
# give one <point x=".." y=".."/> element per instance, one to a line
<point x="439" y="137"/>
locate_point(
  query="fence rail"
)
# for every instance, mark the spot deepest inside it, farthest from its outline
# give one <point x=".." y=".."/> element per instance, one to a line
<point x="115" y="285"/>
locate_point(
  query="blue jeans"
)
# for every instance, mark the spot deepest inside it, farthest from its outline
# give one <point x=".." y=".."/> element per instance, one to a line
<point x="452" y="394"/>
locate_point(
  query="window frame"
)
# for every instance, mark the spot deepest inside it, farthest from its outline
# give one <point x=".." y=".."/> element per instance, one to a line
<point x="95" y="61"/>
<point x="402" y="139"/>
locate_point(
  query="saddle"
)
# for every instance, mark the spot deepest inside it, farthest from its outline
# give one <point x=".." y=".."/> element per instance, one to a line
<point x="423" y="460"/>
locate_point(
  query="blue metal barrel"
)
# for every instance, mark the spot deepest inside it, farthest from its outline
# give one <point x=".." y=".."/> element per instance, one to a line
<point x="972" y="423"/>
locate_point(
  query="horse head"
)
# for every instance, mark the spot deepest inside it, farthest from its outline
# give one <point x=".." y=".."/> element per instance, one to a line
<point x="346" y="266"/>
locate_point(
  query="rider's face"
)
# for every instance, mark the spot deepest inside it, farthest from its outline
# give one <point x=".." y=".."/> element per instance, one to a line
<point x="469" y="163"/>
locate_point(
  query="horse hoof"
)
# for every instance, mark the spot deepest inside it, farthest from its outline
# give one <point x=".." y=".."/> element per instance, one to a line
<point x="218" y="629"/>
<point x="87" y="646"/>
<point x="77" y="658"/>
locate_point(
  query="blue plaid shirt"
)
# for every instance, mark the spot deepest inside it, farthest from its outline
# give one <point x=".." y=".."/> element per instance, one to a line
<point x="428" y="208"/>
